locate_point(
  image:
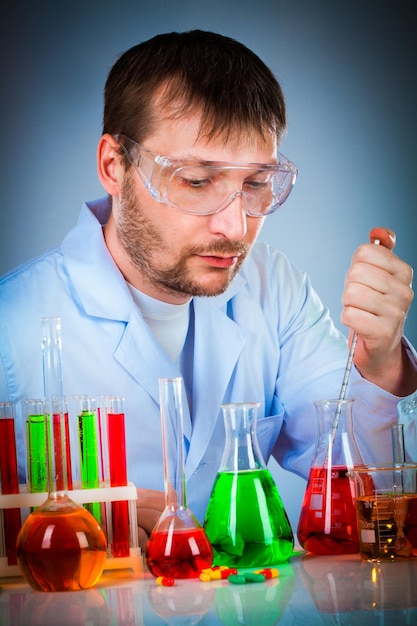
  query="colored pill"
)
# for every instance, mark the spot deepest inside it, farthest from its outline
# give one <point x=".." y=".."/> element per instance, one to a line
<point x="237" y="579"/>
<point x="222" y="574"/>
<point x="252" y="577"/>
<point x="165" y="582"/>
<point x="205" y="577"/>
<point x="268" y="572"/>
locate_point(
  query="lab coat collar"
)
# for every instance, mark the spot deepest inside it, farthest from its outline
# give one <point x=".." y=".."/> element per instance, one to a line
<point x="103" y="293"/>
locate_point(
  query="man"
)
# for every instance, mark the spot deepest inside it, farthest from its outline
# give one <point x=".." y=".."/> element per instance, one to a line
<point x="164" y="278"/>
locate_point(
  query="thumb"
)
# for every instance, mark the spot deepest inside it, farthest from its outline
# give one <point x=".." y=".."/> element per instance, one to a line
<point x="386" y="237"/>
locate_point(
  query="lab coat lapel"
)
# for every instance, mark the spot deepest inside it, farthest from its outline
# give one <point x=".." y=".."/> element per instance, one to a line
<point x="143" y="357"/>
<point x="218" y="342"/>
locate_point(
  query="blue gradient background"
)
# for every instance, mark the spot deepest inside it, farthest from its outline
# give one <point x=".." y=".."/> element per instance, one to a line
<point x="348" y="70"/>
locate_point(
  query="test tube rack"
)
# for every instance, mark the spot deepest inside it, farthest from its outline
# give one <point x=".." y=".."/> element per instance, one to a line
<point x="103" y="494"/>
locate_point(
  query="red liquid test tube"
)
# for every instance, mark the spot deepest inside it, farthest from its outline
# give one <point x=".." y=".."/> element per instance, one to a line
<point x="9" y="478"/>
<point x="116" y="437"/>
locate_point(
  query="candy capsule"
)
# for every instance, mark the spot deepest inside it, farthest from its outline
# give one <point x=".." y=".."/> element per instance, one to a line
<point x="237" y="579"/>
<point x="205" y="577"/>
<point x="222" y="574"/>
<point x="268" y="572"/>
<point x="165" y="582"/>
<point x="253" y="577"/>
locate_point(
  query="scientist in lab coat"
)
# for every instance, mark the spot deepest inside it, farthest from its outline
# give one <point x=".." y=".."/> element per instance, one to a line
<point x="164" y="277"/>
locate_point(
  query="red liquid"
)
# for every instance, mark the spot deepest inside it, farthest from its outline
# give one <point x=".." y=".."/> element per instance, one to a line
<point x="61" y="551"/>
<point x="9" y="484"/>
<point x="118" y="478"/>
<point x="59" y="466"/>
<point x="341" y="536"/>
<point x="178" y="554"/>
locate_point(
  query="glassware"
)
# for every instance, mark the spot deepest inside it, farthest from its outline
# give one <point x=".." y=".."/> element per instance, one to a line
<point x="117" y="468"/>
<point x="386" y="502"/>
<point x="407" y="414"/>
<point x="178" y="546"/>
<point x="60" y="546"/>
<point x="327" y="523"/>
<point x="89" y="446"/>
<point x="9" y="478"/>
<point x="245" y="520"/>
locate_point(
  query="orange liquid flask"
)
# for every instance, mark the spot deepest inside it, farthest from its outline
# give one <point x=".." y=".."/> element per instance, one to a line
<point x="61" y="546"/>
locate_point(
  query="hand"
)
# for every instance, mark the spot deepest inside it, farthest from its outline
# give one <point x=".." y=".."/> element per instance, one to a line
<point x="149" y="506"/>
<point x="376" y="300"/>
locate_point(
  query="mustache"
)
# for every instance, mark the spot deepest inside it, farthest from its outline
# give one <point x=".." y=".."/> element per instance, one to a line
<point x="229" y="248"/>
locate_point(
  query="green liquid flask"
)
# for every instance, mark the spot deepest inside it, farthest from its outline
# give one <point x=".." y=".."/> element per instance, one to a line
<point x="245" y="520"/>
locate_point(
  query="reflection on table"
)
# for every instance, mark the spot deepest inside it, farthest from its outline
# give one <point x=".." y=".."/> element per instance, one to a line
<point x="322" y="590"/>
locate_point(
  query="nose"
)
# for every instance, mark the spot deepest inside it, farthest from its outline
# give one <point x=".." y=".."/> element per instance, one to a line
<point x="231" y="220"/>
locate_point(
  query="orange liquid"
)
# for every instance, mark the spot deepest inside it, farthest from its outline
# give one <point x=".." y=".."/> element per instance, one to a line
<point x="62" y="551"/>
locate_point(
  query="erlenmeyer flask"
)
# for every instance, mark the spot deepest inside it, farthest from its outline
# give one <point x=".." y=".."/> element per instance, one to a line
<point x="178" y="546"/>
<point x="60" y="546"/>
<point x="327" y="523"/>
<point x="245" y="520"/>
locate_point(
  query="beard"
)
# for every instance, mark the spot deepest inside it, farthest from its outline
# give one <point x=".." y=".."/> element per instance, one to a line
<point x="144" y="242"/>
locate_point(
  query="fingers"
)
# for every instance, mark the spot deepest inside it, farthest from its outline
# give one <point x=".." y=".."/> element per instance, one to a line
<point x="376" y="299"/>
<point x="385" y="236"/>
<point x="149" y="506"/>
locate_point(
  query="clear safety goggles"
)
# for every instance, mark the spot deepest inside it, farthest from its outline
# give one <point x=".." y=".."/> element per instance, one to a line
<point x="204" y="188"/>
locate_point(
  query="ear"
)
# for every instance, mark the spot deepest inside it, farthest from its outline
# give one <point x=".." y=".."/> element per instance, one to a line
<point x="109" y="167"/>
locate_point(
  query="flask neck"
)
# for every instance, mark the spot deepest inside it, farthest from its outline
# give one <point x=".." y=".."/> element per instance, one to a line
<point x="241" y="450"/>
<point x="57" y="446"/>
<point x="172" y="398"/>
<point x="336" y="442"/>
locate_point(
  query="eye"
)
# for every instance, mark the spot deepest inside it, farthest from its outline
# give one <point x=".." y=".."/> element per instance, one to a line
<point x="195" y="178"/>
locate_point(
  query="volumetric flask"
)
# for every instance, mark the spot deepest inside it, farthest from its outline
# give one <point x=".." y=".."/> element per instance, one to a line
<point x="61" y="546"/>
<point x="245" y="519"/>
<point x="178" y="546"/>
<point x="327" y="523"/>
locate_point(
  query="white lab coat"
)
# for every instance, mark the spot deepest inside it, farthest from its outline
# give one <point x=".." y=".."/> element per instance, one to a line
<point x="268" y="339"/>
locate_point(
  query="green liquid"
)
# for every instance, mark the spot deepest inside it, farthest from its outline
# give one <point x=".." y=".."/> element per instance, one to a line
<point x="37" y="453"/>
<point x="246" y="522"/>
<point x="87" y="433"/>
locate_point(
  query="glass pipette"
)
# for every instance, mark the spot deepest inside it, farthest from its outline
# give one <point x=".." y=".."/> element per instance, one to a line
<point x="346" y="377"/>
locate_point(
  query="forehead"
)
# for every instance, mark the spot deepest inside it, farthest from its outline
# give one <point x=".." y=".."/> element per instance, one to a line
<point x="188" y="136"/>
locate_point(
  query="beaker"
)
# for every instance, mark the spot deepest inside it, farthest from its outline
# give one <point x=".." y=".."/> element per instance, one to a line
<point x="178" y="546"/>
<point x="327" y="523"/>
<point x="245" y="520"/>
<point x="60" y="547"/>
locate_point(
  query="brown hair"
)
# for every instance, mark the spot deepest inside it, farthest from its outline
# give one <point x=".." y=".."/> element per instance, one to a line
<point x="222" y="79"/>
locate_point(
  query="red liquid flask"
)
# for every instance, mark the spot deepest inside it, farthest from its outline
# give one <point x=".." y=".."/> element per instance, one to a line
<point x="327" y="523"/>
<point x="178" y="546"/>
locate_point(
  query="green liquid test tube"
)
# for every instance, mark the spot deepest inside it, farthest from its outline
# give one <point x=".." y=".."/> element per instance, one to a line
<point x="89" y="449"/>
<point x="36" y="441"/>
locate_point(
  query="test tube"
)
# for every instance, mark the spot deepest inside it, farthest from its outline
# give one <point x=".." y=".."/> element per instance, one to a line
<point x="397" y="438"/>
<point x="9" y="477"/>
<point x="36" y="445"/>
<point x="116" y="437"/>
<point x="88" y="441"/>
<point x="61" y="435"/>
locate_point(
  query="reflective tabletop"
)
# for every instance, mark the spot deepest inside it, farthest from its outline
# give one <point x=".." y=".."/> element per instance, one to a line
<point x="310" y="590"/>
